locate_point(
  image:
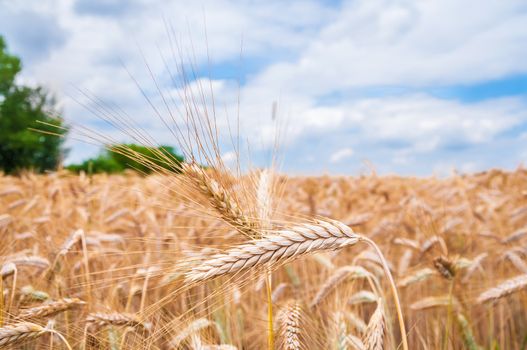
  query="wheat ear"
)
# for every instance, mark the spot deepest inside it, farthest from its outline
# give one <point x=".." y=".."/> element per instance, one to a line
<point x="219" y="199"/>
<point x="339" y="276"/>
<point x="374" y="336"/>
<point x="115" y="319"/>
<point x="290" y="326"/>
<point x="503" y="289"/>
<point x="192" y="328"/>
<point x="20" y="332"/>
<point x="288" y="244"/>
<point x="275" y="248"/>
<point x="51" y="308"/>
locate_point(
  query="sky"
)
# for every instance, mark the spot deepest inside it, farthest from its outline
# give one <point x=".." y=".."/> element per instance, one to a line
<point x="407" y="87"/>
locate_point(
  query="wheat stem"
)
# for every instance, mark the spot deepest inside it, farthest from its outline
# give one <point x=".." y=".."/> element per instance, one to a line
<point x="394" y="292"/>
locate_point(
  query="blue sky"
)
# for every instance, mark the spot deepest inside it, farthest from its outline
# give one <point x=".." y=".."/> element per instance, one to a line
<point x="408" y="87"/>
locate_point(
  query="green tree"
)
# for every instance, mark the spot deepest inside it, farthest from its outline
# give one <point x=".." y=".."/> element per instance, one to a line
<point x="115" y="160"/>
<point x="22" y="111"/>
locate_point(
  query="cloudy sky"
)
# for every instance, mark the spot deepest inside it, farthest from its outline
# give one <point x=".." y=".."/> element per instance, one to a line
<point x="409" y="87"/>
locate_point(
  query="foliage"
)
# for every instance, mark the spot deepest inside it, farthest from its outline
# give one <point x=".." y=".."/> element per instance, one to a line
<point x="127" y="156"/>
<point x="22" y="110"/>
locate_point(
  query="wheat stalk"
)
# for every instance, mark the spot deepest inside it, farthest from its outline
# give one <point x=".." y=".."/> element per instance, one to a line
<point x="468" y="336"/>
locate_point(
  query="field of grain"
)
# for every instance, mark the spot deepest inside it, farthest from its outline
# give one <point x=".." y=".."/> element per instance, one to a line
<point x="131" y="262"/>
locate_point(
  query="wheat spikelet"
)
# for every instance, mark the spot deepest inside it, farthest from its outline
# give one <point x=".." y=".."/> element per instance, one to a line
<point x="279" y="291"/>
<point x="115" y="319"/>
<point x="34" y="261"/>
<point x="340" y="275"/>
<point x="404" y="262"/>
<point x="74" y="238"/>
<point x="289" y="318"/>
<point x="354" y="342"/>
<point x="356" y="322"/>
<point x="429" y="243"/>
<point x="11" y="190"/>
<point x="116" y="215"/>
<point x="339" y="331"/>
<point x="374" y="336"/>
<point x="417" y="276"/>
<point x="218" y="347"/>
<point x="475" y="265"/>
<point x="16" y="204"/>
<point x="20" y="332"/>
<point x="7" y="270"/>
<point x="361" y="297"/>
<point x="407" y="242"/>
<point x="220" y="199"/>
<point x="437" y="301"/>
<point x="51" y="308"/>
<point x="357" y="220"/>
<point x="516" y="260"/>
<point x="515" y="236"/>
<point x="29" y="293"/>
<point x="504" y="289"/>
<point x="263" y="197"/>
<point x="5" y="219"/>
<point x="275" y="248"/>
<point x="445" y="267"/>
<point x="191" y="329"/>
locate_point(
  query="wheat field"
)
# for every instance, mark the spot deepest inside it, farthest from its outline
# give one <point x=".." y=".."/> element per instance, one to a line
<point x="203" y="260"/>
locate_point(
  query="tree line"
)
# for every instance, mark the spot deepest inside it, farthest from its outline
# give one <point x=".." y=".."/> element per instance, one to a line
<point x="32" y="132"/>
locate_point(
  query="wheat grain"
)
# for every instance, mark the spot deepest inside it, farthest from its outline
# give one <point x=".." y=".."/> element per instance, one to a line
<point x="340" y="275"/>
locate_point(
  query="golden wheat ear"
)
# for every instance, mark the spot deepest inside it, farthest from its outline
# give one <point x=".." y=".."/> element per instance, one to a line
<point x="374" y="336"/>
<point x="289" y="318"/>
<point x="276" y="248"/>
<point x="503" y="289"/>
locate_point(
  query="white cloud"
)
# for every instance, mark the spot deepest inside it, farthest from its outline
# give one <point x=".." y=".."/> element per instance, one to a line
<point x="229" y="157"/>
<point x="317" y="61"/>
<point x="340" y="155"/>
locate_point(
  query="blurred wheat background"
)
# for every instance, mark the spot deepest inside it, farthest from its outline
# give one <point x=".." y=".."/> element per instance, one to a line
<point x="95" y="255"/>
